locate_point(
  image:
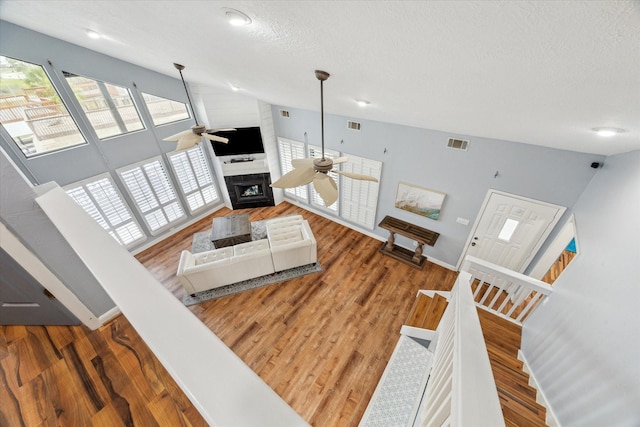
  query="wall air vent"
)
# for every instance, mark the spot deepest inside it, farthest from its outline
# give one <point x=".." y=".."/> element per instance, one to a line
<point x="458" y="144"/>
<point x="353" y="125"/>
<point x="284" y="113"/>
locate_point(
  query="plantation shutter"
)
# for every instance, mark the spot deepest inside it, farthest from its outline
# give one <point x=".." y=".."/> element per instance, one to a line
<point x="360" y="198"/>
<point x="316" y="152"/>
<point x="290" y="150"/>
<point x="100" y="198"/>
<point x="150" y="187"/>
<point x="194" y="177"/>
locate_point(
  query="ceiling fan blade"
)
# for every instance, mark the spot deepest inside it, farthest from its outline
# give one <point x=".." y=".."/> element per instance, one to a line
<point x="216" y="138"/>
<point x="220" y="130"/>
<point x="177" y="136"/>
<point x="295" y="178"/>
<point x="357" y="176"/>
<point x="187" y="141"/>
<point x="326" y="188"/>
<point x="302" y="163"/>
<point x="339" y="160"/>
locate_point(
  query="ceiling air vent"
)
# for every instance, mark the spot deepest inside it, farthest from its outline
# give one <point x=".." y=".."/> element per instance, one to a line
<point x="353" y="125"/>
<point x="458" y="144"/>
<point x="284" y="113"/>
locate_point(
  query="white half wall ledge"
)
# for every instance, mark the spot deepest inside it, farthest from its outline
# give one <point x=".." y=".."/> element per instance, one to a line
<point x="220" y="385"/>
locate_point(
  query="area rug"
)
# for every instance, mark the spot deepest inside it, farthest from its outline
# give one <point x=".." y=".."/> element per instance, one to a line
<point x="254" y="283"/>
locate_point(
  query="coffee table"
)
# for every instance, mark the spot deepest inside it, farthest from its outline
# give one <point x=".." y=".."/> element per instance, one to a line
<point x="231" y="230"/>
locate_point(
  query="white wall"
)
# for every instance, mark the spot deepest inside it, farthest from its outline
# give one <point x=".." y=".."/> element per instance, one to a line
<point x="583" y="345"/>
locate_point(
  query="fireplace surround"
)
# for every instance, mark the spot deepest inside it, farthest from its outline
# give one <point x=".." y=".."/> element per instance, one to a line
<point x="250" y="191"/>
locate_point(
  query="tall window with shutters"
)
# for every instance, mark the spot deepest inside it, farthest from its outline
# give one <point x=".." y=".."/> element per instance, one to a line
<point x="150" y="188"/>
<point x="360" y="198"/>
<point x="316" y="152"/>
<point x="100" y="198"/>
<point x="290" y="150"/>
<point x="194" y="177"/>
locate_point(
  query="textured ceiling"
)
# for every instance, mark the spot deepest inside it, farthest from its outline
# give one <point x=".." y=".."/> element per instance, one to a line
<point x="537" y="72"/>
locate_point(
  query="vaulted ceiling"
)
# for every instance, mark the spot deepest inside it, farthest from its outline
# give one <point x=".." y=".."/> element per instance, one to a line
<point x="536" y="72"/>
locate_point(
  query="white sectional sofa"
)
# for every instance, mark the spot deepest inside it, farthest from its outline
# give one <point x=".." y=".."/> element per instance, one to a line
<point x="290" y="243"/>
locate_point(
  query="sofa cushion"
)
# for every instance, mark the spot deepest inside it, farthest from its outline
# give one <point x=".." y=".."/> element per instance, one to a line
<point x="214" y="255"/>
<point x="286" y="236"/>
<point x="250" y="247"/>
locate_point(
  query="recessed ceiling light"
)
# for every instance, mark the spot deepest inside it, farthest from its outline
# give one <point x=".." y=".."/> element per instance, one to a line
<point x="362" y="102"/>
<point x="92" y="34"/>
<point x="607" y="131"/>
<point x="234" y="87"/>
<point x="237" y="18"/>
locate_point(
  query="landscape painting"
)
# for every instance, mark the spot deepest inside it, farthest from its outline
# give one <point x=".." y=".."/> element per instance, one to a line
<point x="418" y="200"/>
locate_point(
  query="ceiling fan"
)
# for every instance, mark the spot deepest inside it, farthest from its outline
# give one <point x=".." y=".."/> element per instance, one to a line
<point x="316" y="170"/>
<point x="189" y="138"/>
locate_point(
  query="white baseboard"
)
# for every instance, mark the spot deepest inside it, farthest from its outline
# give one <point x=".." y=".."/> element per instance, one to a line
<point x="551" y="419"/>
<point x="109" y="315"/>
<point x="361" y="230"/>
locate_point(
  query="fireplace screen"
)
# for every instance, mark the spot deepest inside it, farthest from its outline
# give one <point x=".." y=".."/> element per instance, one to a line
<point x="251" y="190"/>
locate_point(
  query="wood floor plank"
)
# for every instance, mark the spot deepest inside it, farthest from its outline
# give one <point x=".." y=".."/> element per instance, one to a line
<point x="320" y="341"/>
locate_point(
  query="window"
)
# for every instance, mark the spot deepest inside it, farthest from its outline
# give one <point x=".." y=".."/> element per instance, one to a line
<point x="150" y="188"/>
<point x="31" y="110"/>
<point x="508" y="229"/>
<point x="360" y="198"/>
<point x="109" y="108"/>
<point x="290" y="150"/>
<point x="191" y="169"/>
<point x="164" y="110"/>
<point x="100" y="198"/>
<point x="316" y="152"/>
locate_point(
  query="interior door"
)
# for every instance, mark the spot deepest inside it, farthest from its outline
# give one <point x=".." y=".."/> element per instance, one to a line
<point x="24" y="301"/>
<point x="510" y="229"/>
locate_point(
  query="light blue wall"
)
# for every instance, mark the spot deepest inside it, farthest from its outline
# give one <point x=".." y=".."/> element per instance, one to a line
<point x="421" y="157"/>
<point x="19" y="211"/>
<point x="21" y="214"/>
<point x="97" y="156"/>
<point x="583" y="344"/>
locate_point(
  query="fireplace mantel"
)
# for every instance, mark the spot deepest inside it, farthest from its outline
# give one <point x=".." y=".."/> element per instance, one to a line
<point x="244" y="164"/>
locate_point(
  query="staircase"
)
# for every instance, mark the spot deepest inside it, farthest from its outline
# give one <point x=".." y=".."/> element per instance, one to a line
<point x="502" y="338"/>
<point x="426" y="311"/>
<point x="517" y="397"/>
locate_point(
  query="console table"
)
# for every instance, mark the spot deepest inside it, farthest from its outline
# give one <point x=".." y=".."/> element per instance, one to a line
<point x="421" y="235"/>
<point x="231" y="230"/>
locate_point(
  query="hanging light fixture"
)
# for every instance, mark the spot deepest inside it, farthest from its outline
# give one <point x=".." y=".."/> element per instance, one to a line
<point x="316" y="170"/>
<point x="189" y="138"/>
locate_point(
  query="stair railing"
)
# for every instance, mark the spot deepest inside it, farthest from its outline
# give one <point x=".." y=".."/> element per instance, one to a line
<point x="505" y="293"/>
<point x="461" y="390"/>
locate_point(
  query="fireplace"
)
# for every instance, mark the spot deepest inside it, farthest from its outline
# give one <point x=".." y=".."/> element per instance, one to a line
<point x="250" y="191"/>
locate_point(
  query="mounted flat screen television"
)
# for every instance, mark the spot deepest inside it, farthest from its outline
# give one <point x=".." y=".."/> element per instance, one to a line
<point x="241" y="141"/>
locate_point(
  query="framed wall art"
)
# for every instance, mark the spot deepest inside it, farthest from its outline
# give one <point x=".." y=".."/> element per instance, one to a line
<point x="419" y="200"/>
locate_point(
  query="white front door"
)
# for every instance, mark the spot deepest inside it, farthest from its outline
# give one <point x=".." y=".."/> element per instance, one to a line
<point x="510" y="229"/>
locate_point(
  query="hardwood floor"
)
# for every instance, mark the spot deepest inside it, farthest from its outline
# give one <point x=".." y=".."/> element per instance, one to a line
<point x="320" y="341"/>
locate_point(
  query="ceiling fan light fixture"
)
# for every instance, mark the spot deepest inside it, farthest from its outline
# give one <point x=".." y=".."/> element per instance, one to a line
<point x="608" y="131"/>
<point x="237" y="18"/>
<point x="316" y="170"/>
